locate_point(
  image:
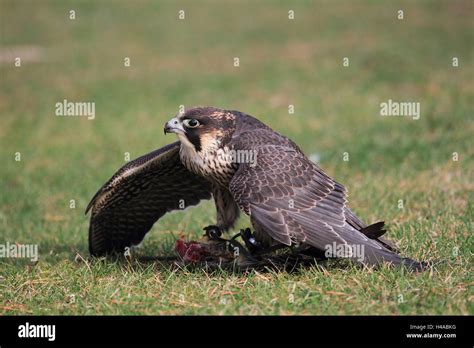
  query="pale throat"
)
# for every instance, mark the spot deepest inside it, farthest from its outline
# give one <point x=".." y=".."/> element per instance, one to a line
<point x="207" y="160"/>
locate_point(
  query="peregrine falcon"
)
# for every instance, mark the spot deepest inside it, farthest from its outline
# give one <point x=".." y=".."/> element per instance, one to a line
<point x="245" y="166"/>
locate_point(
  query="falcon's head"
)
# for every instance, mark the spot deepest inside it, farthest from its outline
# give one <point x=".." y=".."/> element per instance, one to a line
<point x="203" y="129"/>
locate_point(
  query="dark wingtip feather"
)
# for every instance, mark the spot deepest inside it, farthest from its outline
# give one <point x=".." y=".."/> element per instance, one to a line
<point x="374" y="231"/>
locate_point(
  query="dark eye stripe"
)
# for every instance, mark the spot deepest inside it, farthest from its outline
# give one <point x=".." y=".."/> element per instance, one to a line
<point x="193" y="136"/>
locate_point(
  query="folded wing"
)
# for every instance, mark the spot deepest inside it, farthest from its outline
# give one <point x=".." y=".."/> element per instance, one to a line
<point x="294" y="201"/>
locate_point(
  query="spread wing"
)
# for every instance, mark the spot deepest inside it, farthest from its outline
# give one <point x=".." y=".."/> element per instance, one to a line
<point x="141" y="192"/>
<point x="293" y="201"/>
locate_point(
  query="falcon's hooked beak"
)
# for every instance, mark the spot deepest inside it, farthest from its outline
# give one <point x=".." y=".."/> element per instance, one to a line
<point x="174" y="126"/>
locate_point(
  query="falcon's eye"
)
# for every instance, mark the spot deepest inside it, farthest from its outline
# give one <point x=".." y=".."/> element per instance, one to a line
<point x="191" y="123"/>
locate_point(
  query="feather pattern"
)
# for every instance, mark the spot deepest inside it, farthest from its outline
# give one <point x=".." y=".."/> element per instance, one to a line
<point x="293" y="201"/>
<point x="141" y="192"/>
<point x="289" y="199"/>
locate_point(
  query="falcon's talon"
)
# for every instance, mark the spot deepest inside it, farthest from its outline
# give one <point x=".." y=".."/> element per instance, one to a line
<point x="252" y="245"/>
<point x="213" y="232"/>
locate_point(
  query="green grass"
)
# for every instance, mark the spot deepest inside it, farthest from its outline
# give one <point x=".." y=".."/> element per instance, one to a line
<point x="282" y="62"/>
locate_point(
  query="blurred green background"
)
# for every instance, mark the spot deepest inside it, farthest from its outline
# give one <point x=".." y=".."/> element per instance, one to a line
<point x="191" y="62"/>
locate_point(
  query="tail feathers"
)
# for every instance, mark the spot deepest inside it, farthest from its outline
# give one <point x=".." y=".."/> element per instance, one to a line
<point x="376" y="257"/>
<point x="413" y="265"/>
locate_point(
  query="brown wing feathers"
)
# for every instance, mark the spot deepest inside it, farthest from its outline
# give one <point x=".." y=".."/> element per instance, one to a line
<point x="142" y="191"/>
<point x="293" y="200"/>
